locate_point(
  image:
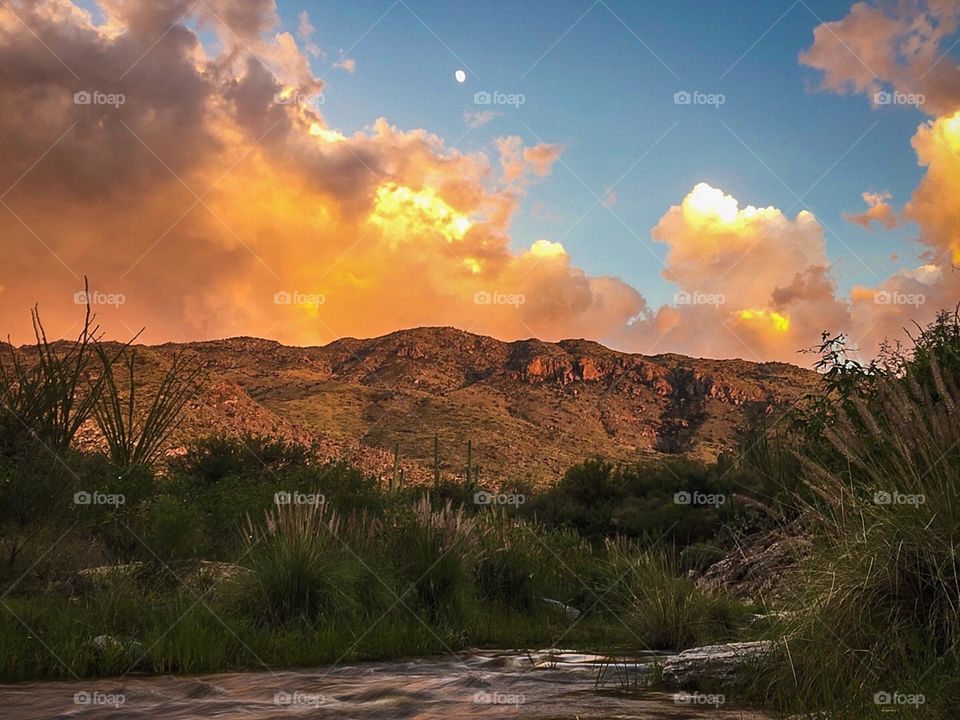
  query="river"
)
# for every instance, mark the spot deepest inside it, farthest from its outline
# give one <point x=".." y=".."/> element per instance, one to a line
<point x="558" y="686"/>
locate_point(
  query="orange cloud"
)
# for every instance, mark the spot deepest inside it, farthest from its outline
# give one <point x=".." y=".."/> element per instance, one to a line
<point x="217" y="200"/>
<point x="878" y="211"/>
<point x="752" y="282"/>
<point x="899" y="46"/>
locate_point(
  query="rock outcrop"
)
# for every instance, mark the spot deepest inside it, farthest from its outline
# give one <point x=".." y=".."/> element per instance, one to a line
<point x="715" y="666"/>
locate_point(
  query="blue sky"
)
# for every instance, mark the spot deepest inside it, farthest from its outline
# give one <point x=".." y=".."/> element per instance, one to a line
<point x="599" y="78"/>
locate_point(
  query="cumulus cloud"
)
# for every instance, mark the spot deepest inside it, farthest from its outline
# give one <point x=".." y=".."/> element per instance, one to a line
<point x="217" y="200"/>
<point x="904" y="47"/>
<point x="751" y="281"/>
<point x="897" y="46"/>
<point x="878" y="211"/>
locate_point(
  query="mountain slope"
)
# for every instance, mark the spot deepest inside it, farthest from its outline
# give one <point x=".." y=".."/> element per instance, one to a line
<point x="530" y="408"/>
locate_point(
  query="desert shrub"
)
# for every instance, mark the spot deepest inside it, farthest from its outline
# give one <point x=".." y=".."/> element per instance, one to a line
<point x="437" y="552"/>
<point x="48" y="393"/>
<point x="299" y="571"/>
<point x="664" y="609"/>
<point x="601" y="499"/>
<point x="135" y="433"/>
<point x="508" y="571"/>
<point x="210" y="460"/>
<point x="879" y="609"/>
<point x="173" y="529"/>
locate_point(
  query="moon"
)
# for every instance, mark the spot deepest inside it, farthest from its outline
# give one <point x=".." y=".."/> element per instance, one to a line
<point x="460" y="76"/>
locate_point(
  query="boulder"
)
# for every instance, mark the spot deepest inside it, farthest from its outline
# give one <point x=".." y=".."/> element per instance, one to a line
<point x="715" y="665"/>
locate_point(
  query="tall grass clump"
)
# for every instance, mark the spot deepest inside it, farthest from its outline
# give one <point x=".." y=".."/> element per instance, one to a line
<point x="665" y="609"/>
<point x="299" y="569"/>
<point x="437" y="552"/>
<point x="879" y="610"/>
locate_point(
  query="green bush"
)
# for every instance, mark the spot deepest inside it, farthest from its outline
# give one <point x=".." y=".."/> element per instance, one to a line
<point x="299" y="571"/>
<point x="664" y="609"/>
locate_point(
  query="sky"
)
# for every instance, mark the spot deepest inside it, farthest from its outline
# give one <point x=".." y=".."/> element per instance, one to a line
<point x="721" y="180"/>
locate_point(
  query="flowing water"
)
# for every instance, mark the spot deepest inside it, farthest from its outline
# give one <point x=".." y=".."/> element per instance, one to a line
<point x="483" y="685"/>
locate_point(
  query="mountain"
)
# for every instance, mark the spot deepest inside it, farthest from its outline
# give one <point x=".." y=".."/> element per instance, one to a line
<point x="530" y="408"/>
